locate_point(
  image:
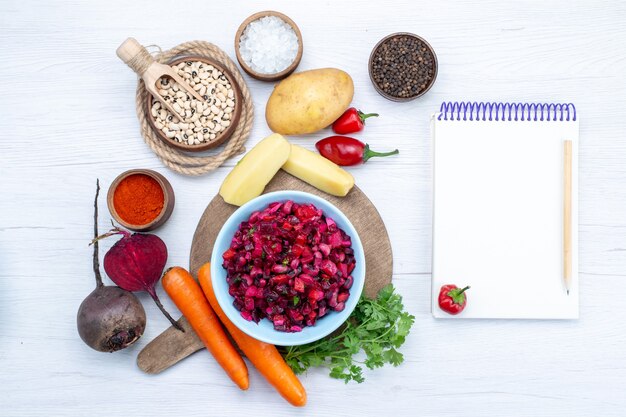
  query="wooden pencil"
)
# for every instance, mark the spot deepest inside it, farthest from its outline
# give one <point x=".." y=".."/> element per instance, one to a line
<point x="567" y="214"/>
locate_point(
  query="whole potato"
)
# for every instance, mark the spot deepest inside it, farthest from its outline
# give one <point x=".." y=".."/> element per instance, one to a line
<point x="308" y="101"/>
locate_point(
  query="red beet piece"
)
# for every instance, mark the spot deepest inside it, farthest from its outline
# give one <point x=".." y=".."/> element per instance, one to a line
<point x="136" y="262"/>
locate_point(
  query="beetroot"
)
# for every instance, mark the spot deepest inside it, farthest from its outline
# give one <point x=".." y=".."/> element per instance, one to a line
<point x="136" y="262"/>
<point x="109" y="318"/>
<point x="290" y="264"/>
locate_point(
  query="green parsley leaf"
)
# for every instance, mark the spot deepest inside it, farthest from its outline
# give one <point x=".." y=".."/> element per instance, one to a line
<point x="393" y="357"/>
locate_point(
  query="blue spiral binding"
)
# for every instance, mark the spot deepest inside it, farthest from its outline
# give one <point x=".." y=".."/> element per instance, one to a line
<point x="507" y="111"/>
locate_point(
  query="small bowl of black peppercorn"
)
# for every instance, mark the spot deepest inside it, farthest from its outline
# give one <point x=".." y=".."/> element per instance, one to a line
<point x="402" y="66"/>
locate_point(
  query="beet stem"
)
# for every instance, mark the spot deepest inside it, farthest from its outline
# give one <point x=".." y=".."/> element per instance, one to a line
<point x="158" y="303"/>
<point x="96" y="262"/>
<point x="114" y="231"/>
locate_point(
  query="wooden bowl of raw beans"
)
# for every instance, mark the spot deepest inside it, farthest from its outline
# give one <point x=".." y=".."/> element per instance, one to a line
<point x="198" y="126"/>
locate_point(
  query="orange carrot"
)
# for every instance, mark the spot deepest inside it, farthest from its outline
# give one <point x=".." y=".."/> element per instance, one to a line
<point x="264" y="357"/>
<point x="188" y="297"/>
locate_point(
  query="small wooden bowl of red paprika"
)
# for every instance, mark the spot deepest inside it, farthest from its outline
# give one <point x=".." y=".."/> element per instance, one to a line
<point x="140" y="199"/>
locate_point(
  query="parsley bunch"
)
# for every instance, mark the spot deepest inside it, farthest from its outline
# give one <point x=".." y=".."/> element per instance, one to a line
<point x="377" y="326"/>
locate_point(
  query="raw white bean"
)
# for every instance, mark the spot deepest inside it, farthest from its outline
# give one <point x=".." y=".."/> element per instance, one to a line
<point x="170" y="134"/>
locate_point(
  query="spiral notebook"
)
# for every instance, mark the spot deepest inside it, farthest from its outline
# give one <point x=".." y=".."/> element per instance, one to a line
<point x="499" y="205"/>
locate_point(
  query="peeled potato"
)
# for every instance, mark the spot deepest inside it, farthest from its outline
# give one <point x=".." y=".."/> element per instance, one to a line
<point x="252" y="173"/>
<point x="318" y="171"/>
<point x="308" y="101"/>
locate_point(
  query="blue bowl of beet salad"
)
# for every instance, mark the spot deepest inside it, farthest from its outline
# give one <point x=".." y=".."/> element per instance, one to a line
<point x="288" y="268"/>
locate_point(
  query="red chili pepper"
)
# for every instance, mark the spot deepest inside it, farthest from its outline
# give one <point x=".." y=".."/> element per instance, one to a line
<point x="452" y="299"/>
<point x="346" y="151"/>
<point x="352" y="120"/>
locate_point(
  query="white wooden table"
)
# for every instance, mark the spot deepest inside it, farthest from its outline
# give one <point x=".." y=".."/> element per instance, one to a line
<point x="67" y="118"/>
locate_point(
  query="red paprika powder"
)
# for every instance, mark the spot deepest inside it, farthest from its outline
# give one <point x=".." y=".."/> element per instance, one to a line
<point x="138" y="199"/>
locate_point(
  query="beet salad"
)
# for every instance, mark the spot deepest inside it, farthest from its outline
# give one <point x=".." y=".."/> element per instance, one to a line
<point x="291" y="264"/>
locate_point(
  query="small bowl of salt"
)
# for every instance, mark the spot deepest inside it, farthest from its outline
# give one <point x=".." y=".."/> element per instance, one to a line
<point x="268" y="46"/>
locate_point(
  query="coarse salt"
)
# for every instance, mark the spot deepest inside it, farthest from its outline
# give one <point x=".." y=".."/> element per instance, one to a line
<point x="268" y="45"/>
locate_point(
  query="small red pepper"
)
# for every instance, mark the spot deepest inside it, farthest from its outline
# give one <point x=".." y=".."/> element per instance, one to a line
<point x="452" y="299"/>
<point x="351" y="121"/>
<point x="346" y="151"/>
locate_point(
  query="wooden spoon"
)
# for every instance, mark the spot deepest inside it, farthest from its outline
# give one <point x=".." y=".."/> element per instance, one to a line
<point x="139" y="60"/>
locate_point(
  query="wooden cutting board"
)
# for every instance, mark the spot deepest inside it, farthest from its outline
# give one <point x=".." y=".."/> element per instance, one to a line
<point x="172" y="345"/>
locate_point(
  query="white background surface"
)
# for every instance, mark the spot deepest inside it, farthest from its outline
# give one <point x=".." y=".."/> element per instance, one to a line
<point x="67" y="117"/>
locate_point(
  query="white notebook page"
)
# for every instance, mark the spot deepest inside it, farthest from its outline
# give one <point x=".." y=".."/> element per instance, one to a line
<point x="498" y="217"/>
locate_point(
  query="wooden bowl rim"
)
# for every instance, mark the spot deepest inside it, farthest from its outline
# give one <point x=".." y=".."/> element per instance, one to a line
<point x="279" y="75"/>
<point x="389" y="96"/>
<point x="168" y="199"/>
<point x="236" y="115"/>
